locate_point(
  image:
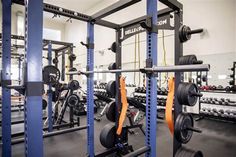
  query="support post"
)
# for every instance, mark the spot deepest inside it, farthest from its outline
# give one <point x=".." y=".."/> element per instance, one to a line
<point x="6" y="78"/>
<point x="33" y="108"/>
<point x="90" y="90"/>
<point x="118" y="66"/>
<point x="151" y="84"/>
<point x="178" y="19"/>
<point x="50" y="124"/>
<point x="63" y="66"/>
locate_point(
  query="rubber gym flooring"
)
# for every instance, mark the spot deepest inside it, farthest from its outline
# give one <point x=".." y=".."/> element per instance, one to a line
<point x="217" y="140"/>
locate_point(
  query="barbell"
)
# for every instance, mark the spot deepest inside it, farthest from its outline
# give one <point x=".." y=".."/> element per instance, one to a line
<point x="155" y="69"/>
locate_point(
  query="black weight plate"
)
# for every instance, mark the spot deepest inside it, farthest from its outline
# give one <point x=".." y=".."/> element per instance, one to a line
<point x="111" y="111"/>
<point x="107" y="135"/>
<point x="73" y="85"/>
<point x="184" y="33"/>
<point x="191" y="100"/>
<point x="112" y="66"/>
<point x="51" y="74"/>
<point x="185" y="152"/>
<point x="184" y="95"/>
<point x="111" y="88"/>
<point x="179" y="93"/>
<point x="72" y="57"/>
<point x="55" y="61"/>
<point x="113" y="47"/>
<point x="73" y="100"/>
<point x="44" y="104"/>
<point x="182" y="122"/>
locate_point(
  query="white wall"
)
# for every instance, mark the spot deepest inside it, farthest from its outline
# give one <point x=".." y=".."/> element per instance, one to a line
<point x="217" y="17"/>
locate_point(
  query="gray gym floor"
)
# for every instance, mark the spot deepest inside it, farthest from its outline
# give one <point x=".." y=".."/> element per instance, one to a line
<point x="217" y="140"/>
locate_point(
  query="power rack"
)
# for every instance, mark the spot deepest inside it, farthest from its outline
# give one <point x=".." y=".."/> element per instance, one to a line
<point x="34" y="44"/>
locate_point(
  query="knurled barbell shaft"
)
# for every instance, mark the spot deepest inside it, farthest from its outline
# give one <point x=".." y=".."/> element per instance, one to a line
<point x="176" y="68"/>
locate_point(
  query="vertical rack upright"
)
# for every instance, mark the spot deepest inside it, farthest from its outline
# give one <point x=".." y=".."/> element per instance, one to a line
<point x="6" y="78"/>
<point x="151" y="82"/>
<point x="33" y="106"/>
<point x="50" y="124"/>
<point x="90" y="83"/>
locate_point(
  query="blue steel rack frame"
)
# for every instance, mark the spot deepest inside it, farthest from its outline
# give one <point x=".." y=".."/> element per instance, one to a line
<point x="6" y="78"/>
<point x="33" y="106"/>
<point x="174" y="6"/>
<point x="151" y="83"/>
<point x="90" y="90"/>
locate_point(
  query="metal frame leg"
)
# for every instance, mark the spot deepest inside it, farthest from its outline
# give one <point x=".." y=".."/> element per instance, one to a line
<point x="33" y="107"/>
<point x="6" y="77"/>
<point x="50" y="124"/>
<point x="151" y="101"/>
<point x="90" y="83"/>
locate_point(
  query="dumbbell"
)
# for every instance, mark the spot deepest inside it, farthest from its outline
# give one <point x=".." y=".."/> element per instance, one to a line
<point x="139" y="89"/>
<point x="143" y="90"/>
<point x="221" y="112"/>
<point x="228" y="113"/>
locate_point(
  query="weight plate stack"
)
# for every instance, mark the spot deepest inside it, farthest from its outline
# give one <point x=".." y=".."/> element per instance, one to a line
<point x="111" y="111"/>
<point x="111" y="88"/>
<point x="108" y="135"/>
<point x="187" y="94"/>
<point x="185" y="152"/>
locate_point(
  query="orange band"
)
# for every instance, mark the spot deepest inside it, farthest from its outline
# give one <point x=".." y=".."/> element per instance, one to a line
<point x="124" y="105"/>
<point x="169" y="104"/>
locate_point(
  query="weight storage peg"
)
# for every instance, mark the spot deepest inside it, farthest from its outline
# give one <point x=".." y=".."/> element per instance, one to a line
<point x="187" y="94"/>
<point x="184" y="128"/>
<point x="185" y="33"/>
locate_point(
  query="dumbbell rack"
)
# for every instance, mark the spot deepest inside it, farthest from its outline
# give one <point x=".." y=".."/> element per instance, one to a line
<point x="218" y="105"/>
<point x="140" y="96"/>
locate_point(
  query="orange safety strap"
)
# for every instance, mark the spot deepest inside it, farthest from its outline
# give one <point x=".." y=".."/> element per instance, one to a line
<point x="124" y="105"/>
<point x="169" y="104"/>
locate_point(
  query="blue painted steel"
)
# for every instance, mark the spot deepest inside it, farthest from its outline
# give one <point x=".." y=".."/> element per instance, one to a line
<point x="33" y="107"/>
<point x="151" y="92"/>
<point x="6" y="75"/>
<point x="50" y="125"/>
<point x="90" y="100"/>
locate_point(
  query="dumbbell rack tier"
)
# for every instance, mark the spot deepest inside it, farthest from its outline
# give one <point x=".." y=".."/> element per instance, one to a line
<point x="140" y="96"/>
<point x="218" y="105"/>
